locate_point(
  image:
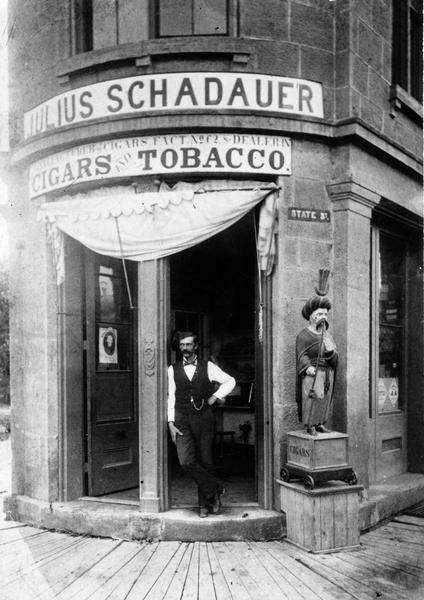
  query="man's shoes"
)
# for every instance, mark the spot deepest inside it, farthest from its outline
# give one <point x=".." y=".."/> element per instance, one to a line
<point x="311" y="430"/>
<point x="216" y="502"/>
<point x="322" y="429"/>
<point x="203" y="512"/>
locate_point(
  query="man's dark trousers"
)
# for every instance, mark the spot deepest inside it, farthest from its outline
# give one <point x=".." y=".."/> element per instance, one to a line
<point x="194" y="449"/>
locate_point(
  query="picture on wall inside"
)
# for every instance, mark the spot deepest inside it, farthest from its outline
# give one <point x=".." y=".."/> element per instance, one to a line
<point x="108" y="346"/>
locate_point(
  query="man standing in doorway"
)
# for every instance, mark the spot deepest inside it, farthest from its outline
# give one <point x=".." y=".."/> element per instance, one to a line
<point x="191" y="421"/>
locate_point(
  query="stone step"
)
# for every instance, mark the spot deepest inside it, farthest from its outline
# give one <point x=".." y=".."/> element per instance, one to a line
<point x="235" y="523"/>
<point x="125" y="521"/>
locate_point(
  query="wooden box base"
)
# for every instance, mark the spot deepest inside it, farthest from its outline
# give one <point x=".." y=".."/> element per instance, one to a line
<point x="321" y="520"/>
<point x="323" y="451"/>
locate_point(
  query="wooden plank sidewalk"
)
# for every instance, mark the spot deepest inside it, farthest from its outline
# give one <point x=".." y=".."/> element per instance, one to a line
<point x="43" y="565"/>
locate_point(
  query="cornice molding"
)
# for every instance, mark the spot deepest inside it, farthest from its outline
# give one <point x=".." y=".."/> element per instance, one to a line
<point x="143" y="53"/>
<point x="352" y="196"/>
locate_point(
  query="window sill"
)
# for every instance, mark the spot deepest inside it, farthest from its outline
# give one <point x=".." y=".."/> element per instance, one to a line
<point x="401" y="100"/>
<point x="143" y="52"/>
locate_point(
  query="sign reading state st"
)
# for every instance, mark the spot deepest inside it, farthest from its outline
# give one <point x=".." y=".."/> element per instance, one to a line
<point x="173" y="92"/>
<point x="161" y="154"/>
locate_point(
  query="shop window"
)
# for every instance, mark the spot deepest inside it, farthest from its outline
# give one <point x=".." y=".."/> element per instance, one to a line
<point x="408" y="46"/>
<point x="191" y="17"/>
<point x="391" y="321"/>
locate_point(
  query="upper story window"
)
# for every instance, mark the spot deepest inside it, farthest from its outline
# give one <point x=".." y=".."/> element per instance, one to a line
<point x="83" y="19"/>
<point x="191" y="17"/>
<point x="104" y="23"/>
<point x="408" y="46"/>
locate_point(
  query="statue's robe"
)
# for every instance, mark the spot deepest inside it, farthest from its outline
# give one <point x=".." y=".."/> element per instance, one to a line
<point x="314" y="408"/>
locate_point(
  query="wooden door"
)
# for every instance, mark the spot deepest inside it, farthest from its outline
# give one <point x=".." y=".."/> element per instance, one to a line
<point x="112" y="423"/>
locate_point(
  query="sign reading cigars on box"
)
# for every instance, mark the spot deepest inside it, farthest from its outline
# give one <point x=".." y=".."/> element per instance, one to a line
<point x="161" y="154"/>
<point x="173" y="92"/>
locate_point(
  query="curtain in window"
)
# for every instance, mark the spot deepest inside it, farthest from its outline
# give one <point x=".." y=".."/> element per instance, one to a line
<point x="121" y="223"/>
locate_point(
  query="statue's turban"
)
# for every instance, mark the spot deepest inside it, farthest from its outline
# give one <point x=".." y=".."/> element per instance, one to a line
<point x="313" y="303"/>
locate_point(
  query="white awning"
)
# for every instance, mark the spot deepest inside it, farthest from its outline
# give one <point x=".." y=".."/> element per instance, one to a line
<point x="121" y="223"/>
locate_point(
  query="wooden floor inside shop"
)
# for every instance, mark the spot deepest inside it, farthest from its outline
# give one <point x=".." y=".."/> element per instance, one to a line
<point x="235" y="468"/>
<point x="239" y="491"/>
<point x="43" y="565"/>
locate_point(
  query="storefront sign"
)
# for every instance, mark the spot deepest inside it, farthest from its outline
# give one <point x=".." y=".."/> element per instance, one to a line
<point x="173" y="92"/>
<point x="162" y="154"/>
<point x="309" y="214"/>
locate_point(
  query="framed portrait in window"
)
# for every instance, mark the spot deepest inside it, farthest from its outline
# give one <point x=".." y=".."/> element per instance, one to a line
<point x="108" y="346"/>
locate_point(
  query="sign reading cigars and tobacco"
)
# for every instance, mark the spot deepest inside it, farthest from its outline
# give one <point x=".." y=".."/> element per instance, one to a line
<point x="161" y="154"/>
<point x="173" y="92"/>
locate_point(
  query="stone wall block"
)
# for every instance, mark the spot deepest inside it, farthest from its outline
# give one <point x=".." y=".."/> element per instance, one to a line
<point x="316" y="253"/>
<point x="342" y="68"/>
<point x="291" y="252"/>
<point x="355" y="103"/>
<point x="370" y="46"/>
<point x="18" y="452"/>
<point x="315" y="156"/>
<point x="285" y="419"/>
<point x="379" y="90"/>
<point x="360" y="75"/>
<point x="283" y="56"/>
<point x="328" y="99"/>
<point x="317" y="65"/>
<point x="311" y="26"/>
<point x="405" y="133"/>
<point x="342" y="30"/>
<point x="382" y="18"/>
<point x="42" y="28"/>
<point x="259" y="23"/>
<point x="362" y="9"/>
<point x="298" y="281"/>
<point x="342" y="102"/>
<point x="35" y="479"/>
<point x="386" y="69"/>
<point x="371" y="113"/>
<point x="311" y="193"/>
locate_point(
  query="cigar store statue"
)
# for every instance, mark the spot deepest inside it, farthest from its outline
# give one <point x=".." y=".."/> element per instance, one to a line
<point x="316" y="360"/>
<point x="316" y="455"/>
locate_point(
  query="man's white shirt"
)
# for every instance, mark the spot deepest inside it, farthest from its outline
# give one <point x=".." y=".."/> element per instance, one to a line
<point x="227" y="384"/>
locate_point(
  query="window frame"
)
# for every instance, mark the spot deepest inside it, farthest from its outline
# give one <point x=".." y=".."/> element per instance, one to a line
<point x="378" y="229"/>
<point x="407" y="59"/>
<point x="82" y="28"/>
<point x="82" y="39"/>
<point x="231" y="22"/>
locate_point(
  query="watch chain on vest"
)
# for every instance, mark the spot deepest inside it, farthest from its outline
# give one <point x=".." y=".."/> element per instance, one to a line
<point x="194" y="394"/>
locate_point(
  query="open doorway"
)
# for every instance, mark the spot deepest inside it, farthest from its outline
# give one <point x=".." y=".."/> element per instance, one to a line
<point x="213" y="291"/>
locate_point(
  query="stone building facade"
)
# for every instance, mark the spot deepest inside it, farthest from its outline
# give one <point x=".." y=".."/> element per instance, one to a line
<point x="314" y="102"/>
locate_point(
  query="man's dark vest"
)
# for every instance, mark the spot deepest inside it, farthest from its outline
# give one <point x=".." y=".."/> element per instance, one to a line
<point x="199" y="388"/>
